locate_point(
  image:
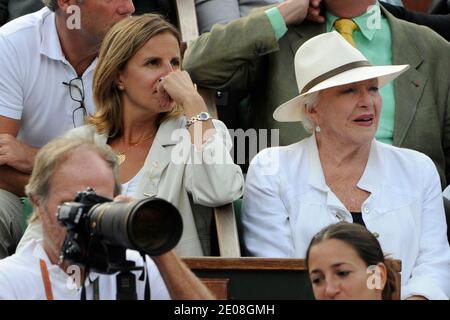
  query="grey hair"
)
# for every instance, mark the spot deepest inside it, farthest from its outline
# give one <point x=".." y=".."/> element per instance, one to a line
<point x="53" y="154"/>
<point x="51" y="4"/>
<point x="309" y="102"/>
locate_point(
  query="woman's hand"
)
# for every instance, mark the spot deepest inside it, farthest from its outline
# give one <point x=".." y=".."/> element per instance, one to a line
<point x="178" y="87"/>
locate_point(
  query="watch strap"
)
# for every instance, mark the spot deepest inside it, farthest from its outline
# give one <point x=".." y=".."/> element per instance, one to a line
<point x="196" y="118"/>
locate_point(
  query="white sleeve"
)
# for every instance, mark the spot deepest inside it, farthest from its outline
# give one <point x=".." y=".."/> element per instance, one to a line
<point x="11" y="86"/>
<point x="211" y="176"/>
<point x="264" y="216"/>
<point x="6" y="288"/>
<point x="430" y="275"/>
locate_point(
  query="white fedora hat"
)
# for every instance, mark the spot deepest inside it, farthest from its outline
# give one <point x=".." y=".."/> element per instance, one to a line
<point x="326" y="61"/>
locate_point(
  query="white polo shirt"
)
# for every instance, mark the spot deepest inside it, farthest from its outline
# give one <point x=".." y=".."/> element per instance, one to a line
<point x="21" y="278"/>
<point x="32" y="69"/>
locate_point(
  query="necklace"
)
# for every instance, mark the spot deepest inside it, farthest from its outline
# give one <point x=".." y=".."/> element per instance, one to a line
<point x="121" y="155"/>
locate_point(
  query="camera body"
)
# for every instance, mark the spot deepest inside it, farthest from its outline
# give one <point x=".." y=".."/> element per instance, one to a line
<point x="75" y="217"/>
<point x="71" y="213"/>
<point x="99" y="230"/>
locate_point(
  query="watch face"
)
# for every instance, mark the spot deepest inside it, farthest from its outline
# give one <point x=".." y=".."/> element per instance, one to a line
<point x="203" y="116"/>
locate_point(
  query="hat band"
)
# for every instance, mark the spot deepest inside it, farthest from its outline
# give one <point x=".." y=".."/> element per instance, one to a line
<point x="332" y="73"/>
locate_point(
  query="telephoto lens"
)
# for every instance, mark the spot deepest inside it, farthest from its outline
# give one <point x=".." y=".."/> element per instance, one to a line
<point x="99" y="230"/>
<point x="152" y="226"/>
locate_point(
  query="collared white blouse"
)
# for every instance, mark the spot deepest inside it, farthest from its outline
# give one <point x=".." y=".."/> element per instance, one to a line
<point x="287" y="201"/>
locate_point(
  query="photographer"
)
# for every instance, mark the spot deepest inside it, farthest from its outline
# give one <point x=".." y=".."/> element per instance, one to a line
<point x="62" y="168"/>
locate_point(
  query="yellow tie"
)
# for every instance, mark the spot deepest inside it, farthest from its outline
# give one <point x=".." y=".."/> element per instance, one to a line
<point x="346" y="27"/>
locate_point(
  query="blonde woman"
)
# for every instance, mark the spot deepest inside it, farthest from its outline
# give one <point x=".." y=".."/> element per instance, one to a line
<point x="150" y="113"/>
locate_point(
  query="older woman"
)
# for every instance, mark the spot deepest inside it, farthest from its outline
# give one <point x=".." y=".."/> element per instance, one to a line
<point x="342" y="173"/>
<point x="150" y="113"/>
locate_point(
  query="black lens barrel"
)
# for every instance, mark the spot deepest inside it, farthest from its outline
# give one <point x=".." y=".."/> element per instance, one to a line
<point x="152" y="226"/>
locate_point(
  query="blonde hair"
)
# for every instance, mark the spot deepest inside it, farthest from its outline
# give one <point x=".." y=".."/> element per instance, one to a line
<point x="119" y="46"/>
<point x="53" y="154"/>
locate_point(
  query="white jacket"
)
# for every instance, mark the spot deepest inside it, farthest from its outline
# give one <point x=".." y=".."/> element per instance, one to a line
<point x="287" y="201"/>
<point x="176" y="171"/>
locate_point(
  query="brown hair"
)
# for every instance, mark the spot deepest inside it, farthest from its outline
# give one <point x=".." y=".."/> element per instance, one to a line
<point x="364" y="243"/>
<point x="120" y="44"/>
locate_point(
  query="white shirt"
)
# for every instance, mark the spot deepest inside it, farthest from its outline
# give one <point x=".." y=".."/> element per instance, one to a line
<point x="178" y="172"/>
<point x="287" y="201"/>
<point x="129" y="188"/>
<point x="446" y="192"/>
<point x="21" y="279"/>
<point x="33" y="68"/>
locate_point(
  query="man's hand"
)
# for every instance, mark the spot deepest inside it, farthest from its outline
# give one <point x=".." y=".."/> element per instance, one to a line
<point x="172" y="269"/>
<point x="123" y="198"/>
<point x="16" y="154"/>
<point x="294" y="11"/>
<point x="13" y="180"/>
<point x="314" y="11"/>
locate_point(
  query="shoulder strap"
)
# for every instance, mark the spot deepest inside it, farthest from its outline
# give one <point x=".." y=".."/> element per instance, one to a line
<point x="46" y="280"/>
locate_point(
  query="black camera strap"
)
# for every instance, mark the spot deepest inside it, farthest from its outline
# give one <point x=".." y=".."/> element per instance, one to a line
<point x="146" y="279"/>
<point x="83" y="293"/>
<point x="95" y="288"/>
<point x="147" y="290"/>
